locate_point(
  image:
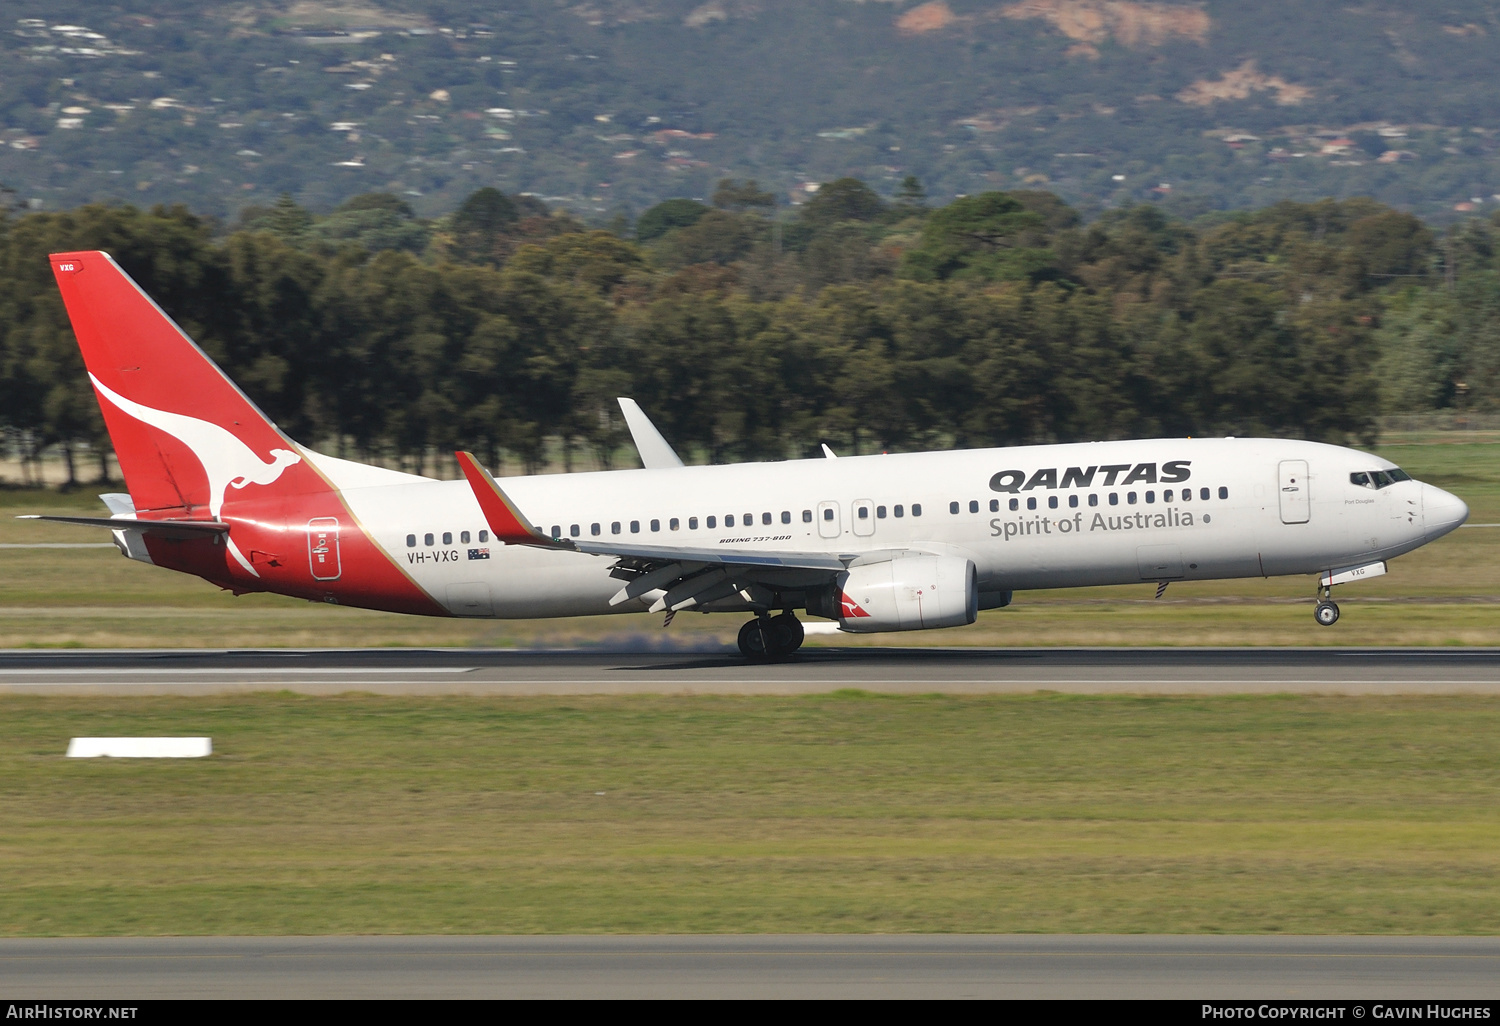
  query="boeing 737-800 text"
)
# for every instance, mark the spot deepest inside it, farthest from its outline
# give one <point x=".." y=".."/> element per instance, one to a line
<point x="874" y="543"/>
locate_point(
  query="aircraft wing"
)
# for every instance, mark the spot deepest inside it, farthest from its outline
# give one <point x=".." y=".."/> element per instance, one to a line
<point x="688" y="575"/>
<point x="725" y="556"/>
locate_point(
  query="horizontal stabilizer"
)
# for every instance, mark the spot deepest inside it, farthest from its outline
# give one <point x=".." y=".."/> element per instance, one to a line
<point x="179" y="529"/>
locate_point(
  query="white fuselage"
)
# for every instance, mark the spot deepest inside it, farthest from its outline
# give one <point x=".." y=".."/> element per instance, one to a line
<point x="1271" y="508"/>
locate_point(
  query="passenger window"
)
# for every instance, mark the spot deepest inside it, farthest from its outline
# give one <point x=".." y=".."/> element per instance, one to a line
<point x="1031" y="502"/>
<point x="1072" y="502"/>
<point x="1051" y="502"/>
<point x="863" y="513"/>
<point x="1114" y="498"/>
<point x="656" y="525"/>
<point x="712" y="523"/>
<point x="879" y="512"/>
<point x="1093" y="499"/>
<point x="426" y="539"/>
<point x="572" y="532"/>
<point x="692" y="523"/>
<point x="900" y="511"/>
<point x="916" y="509"/>
<point x="447" y="537"/>
<point x="674" y="524"/>
<point x="952" y="507"/>
<point x="411" y="541"/>
<point x="556" y="533"/>
<point x="1151" y="497"/>
<point x="594" y="530"/>
<point x="748" y="520"/>
<point x="614" y="527"/>
<point x="828" y="514"/>
<point x="1187" y="495"/>
<point x="484" y="536"/>
<point x="635" y="527"/>
<point x="786" y="516"/>
<point x="994" y="505"/>
<point x="1015" y="504"/>
<point x="807" y="516"/>
<point x="1166" y="496"/>
<point x="464" y="536"/>
<point x="729" y="520"/>
<point x="1223" y="492"/>
<point x="1203" y="494"/>
<point x="765" y="518"/>
<point x="973" y="506"/>
<point x="1130" y="497"/>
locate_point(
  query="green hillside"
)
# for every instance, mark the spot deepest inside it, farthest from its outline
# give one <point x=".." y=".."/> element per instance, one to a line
<point x="612" y="105"/>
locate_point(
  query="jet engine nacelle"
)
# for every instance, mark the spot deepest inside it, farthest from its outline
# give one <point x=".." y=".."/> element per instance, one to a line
<point x="909" y="593"/>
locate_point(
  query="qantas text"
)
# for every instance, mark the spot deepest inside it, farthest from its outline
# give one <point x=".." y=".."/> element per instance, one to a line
<point x="1083" y="477"/>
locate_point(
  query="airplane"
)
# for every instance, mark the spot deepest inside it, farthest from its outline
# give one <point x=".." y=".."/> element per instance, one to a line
<point x="876" y="543"/>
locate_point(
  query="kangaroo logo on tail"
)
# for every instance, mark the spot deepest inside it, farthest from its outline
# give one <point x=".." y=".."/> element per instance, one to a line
<point x="228" y="462"/>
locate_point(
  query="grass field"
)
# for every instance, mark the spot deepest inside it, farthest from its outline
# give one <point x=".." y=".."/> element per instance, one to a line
<point x="842" y="813"/>
<point x="1445" y="594"/>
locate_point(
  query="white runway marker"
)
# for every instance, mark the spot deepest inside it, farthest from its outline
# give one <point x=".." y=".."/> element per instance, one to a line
<point x="140" y="747"/>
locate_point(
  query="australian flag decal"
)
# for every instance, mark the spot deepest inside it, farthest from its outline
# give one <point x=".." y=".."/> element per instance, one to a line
<point x="479" y="553"/>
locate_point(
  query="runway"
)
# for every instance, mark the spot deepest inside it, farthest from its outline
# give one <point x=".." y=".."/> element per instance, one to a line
<point x="819" y="966"/>
<point x="888" y="670"/>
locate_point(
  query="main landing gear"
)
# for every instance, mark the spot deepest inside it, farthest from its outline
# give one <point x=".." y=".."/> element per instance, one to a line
<point x="771" y="637"/>
<point x="1327" y="611"/>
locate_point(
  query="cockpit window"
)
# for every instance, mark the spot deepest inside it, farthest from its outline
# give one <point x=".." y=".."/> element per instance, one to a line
<point x="1378" y="478"/>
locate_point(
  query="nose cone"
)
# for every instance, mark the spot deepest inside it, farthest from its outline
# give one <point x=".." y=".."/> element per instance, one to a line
<point x="1442" y="511"/>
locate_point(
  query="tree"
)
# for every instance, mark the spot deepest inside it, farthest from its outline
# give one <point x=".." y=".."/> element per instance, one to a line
<point x="847" y="199"/>
<point x="373" y="221"/>
<point x="911" y="195"/>
<point x="479" y="223"/>
<point x="742" y="196"/>
<point x="715" y="238"/>
<point x="982" y="237"/>
<point x="668" y="216"/>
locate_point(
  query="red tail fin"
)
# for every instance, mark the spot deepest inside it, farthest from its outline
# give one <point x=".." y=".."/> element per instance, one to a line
<point x="183" y="432"/>
<point x="191" y="443"/>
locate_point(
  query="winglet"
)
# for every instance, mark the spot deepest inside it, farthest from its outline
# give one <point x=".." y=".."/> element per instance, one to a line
<point x="505" y="520"/>
<point x="655" y="453"/>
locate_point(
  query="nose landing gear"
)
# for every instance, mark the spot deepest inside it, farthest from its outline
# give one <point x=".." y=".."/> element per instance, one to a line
<point x="1327" y="611"/>
<point x="771" y="637"/>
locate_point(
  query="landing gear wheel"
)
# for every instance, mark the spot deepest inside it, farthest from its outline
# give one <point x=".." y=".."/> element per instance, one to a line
<point x="755" y="641"/>
<point x="1327" y="613"/>
<point x="786" y="634"/>
<point x="773" y="638"/>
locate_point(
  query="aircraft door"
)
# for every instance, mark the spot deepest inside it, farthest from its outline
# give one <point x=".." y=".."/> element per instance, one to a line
<point x="1296" y="497"/>
<point x="862" y="517"/>
<point x="828" y="520"/>
<point x="323" y="548"/>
